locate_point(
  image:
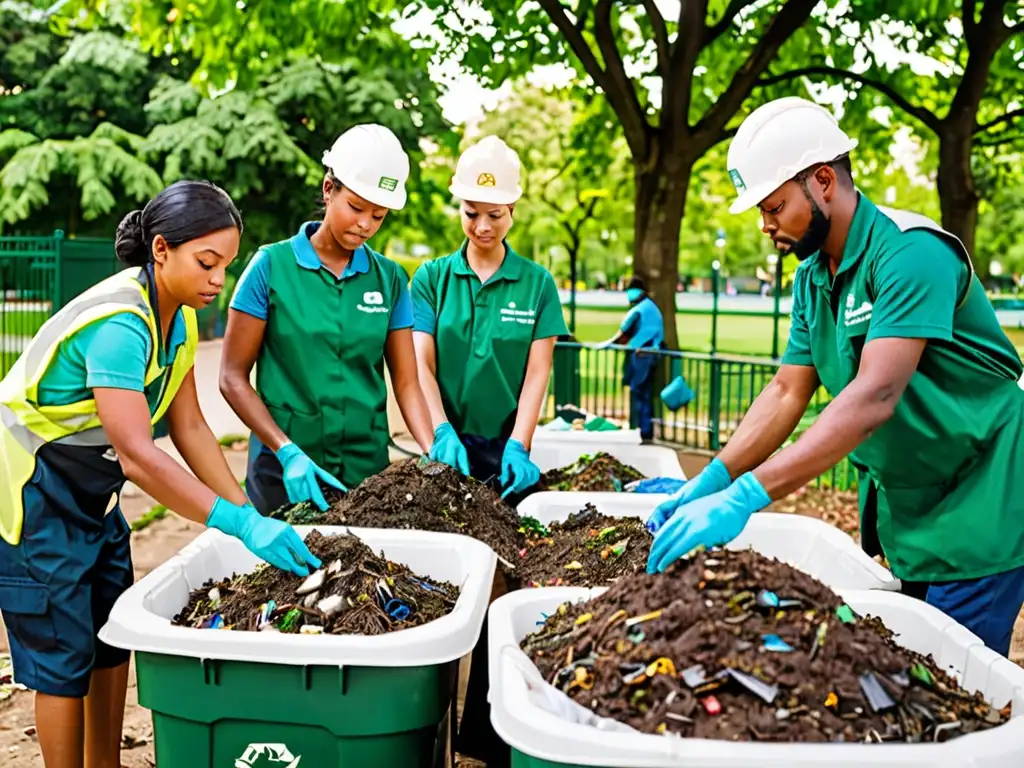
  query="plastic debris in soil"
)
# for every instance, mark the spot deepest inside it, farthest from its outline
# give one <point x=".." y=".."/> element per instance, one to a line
<point x="600" y="472"/>
<point x="7" y="685"/>
<point x="420" y="495"/>
<point x="587" y="550"/>
<point x="733" y="645"/>
<point x="356" y="592"/>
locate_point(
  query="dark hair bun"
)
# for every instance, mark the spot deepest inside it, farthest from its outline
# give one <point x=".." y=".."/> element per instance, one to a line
<point x="130" y="243"/>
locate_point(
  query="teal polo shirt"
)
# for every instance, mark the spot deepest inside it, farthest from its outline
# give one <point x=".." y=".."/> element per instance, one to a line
<point x="112" y="352"/>
<point x="252" y="294"/>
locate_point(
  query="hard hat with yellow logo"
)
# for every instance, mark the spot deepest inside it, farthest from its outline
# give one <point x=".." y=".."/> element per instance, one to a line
<point x="369" y="160"/>
<point x="488" y="172"/>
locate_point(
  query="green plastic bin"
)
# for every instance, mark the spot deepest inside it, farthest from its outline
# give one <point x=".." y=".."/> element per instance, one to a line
<point x="246" y="699"/>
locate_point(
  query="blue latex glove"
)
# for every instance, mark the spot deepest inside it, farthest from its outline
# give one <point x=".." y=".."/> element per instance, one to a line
<point x="712" y="521"/>
<point x="300" y="474"/>
<point x="712" y="479"/>
<point x="448" y="449"/>
<point x="517" y="469"/>
<point x="272" y="540"/>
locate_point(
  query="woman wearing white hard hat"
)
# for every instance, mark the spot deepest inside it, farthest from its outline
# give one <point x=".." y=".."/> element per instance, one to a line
<point x="889" y="316"/>
<point x="486" y="321"/>
<point x="321" y="312"/>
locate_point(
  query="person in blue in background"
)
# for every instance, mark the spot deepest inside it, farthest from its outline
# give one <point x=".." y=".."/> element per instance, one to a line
<point x="642" y="329"/>
<point x="321" y="312"/>
<point x="77" y="414"/>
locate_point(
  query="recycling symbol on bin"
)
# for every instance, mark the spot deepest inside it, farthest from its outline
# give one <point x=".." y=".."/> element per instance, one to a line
<point x="277" y="755"/>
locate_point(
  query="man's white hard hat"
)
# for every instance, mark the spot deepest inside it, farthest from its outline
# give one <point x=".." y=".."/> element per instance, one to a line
<point x="776" y="142"/>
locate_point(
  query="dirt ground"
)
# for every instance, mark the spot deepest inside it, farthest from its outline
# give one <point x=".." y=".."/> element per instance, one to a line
<point x="163" y="538"/>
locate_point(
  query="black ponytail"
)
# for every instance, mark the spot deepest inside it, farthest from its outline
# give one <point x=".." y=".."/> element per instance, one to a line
<point x="182" y="212"/>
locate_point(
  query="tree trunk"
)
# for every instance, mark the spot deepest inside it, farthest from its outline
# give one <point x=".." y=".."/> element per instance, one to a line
<point x="958" y="197"/>
<point x="659" y="204"/>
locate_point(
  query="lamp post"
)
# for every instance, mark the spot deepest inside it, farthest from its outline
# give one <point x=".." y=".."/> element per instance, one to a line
<point x="716" y="268"/>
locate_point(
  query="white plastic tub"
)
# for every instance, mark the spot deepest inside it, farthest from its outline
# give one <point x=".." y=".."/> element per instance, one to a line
<point x="811" y="545"/>
<point x="582" y="437"/>
<point x="652" y="460"/>
<point x="141" y="618"/>
<point x="551" y="740"/>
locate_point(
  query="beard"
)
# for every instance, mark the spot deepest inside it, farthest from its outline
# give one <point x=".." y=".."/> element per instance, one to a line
<point x="814" y="237"/>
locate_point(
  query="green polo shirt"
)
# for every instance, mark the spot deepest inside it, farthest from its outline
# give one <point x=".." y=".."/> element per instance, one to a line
<point x="947" y="466"/>
<point x="483" y="333"/>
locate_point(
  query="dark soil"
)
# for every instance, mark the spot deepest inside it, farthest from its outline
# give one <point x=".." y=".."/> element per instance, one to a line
<point x="374" y="595"/>
<point x="702" y="651"/>
<point x="427" y="497"/>
<point x="599" y="472"/>
<point x="587" y="550"/>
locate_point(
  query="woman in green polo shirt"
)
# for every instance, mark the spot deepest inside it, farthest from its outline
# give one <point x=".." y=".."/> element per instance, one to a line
<point x="486" y="321"/>
<point x="321" y="313"/>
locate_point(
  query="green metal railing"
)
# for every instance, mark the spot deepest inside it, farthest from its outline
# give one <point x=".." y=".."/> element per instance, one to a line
<point x="30" y="280"/>
<point x="724" y="387"/>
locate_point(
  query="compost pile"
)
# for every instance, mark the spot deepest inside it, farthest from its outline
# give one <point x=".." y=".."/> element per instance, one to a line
<point x="426" y="496"/>
<point x="356" y="592"/>
<point x="733" y="645"/>
<point x="600" y="472"/>
<point x="587" y="550"/>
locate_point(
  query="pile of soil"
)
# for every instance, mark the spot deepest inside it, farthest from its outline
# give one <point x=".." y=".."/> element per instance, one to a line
<point x="600" y="472"/>
<point x="736" y="646"/>
<point x="426" y="496"/>
<point x="356" y="592"/>
<point x="587" y="550"/>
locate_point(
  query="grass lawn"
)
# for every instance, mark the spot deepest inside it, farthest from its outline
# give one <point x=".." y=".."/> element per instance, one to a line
<point x="736" y="335"/>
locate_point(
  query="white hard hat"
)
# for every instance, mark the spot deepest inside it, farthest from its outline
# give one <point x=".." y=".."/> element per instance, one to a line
<point x="369" y="160"/>
<point x="488" y="172"/>
<point x="776" y="142"/>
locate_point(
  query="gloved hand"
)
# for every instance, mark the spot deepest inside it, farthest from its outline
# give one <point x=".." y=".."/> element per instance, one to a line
<point x="517" y="469"/>
<point x="272" y="540"/>
<point x="712" y="479"/>
<point x="712" y="521"/>
<point x="448" y="449"/>
<point x="300" y="473"/>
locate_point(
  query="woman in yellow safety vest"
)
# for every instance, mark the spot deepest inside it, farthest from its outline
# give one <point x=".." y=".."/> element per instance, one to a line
<point x="77" y="413"/>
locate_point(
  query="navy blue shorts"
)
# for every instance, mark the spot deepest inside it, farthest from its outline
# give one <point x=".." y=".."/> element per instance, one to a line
<point x="58" y="585"/>
<point x="988" y="606"/>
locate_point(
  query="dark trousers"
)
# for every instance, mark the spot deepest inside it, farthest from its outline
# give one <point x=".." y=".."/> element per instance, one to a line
<point x="476" y="737"/>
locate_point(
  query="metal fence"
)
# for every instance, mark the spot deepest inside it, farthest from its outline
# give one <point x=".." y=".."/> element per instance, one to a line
<point x="38" y="276"/>
<point x="724" y="387"/>
<point x="30" y="282"/>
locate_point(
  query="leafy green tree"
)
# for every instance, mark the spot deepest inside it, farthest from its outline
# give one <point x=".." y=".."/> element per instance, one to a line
<point x="573" y="173"/>
<point x="971" y="106"/>
<point x="675" y="85"/>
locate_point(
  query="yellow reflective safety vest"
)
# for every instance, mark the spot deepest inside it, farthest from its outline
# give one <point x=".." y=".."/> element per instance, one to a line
<point x="26" y="426"/>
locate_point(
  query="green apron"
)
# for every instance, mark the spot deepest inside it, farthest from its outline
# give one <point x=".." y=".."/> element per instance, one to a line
<point x="320" y="371"/>
<point x="946" y="472"/>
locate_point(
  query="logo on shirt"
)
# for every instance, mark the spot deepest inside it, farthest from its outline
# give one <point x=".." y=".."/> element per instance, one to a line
<point x="372" y="301"/>
<point x="510" y="314"/>
<point x="855" y="315"/>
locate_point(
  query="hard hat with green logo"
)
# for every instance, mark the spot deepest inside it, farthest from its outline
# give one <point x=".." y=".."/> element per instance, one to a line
<point x="369" y="160"/>
<point x="487" y="172"/>
<point x="776" y="142"/>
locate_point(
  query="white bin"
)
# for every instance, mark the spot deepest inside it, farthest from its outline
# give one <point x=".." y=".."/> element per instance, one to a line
<point x="651" y="460"/>
<point x="582" y="437"/>
<point x="141" y="618"/>
<point x="551" y="740"/>
<point x="811" y="545"/>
